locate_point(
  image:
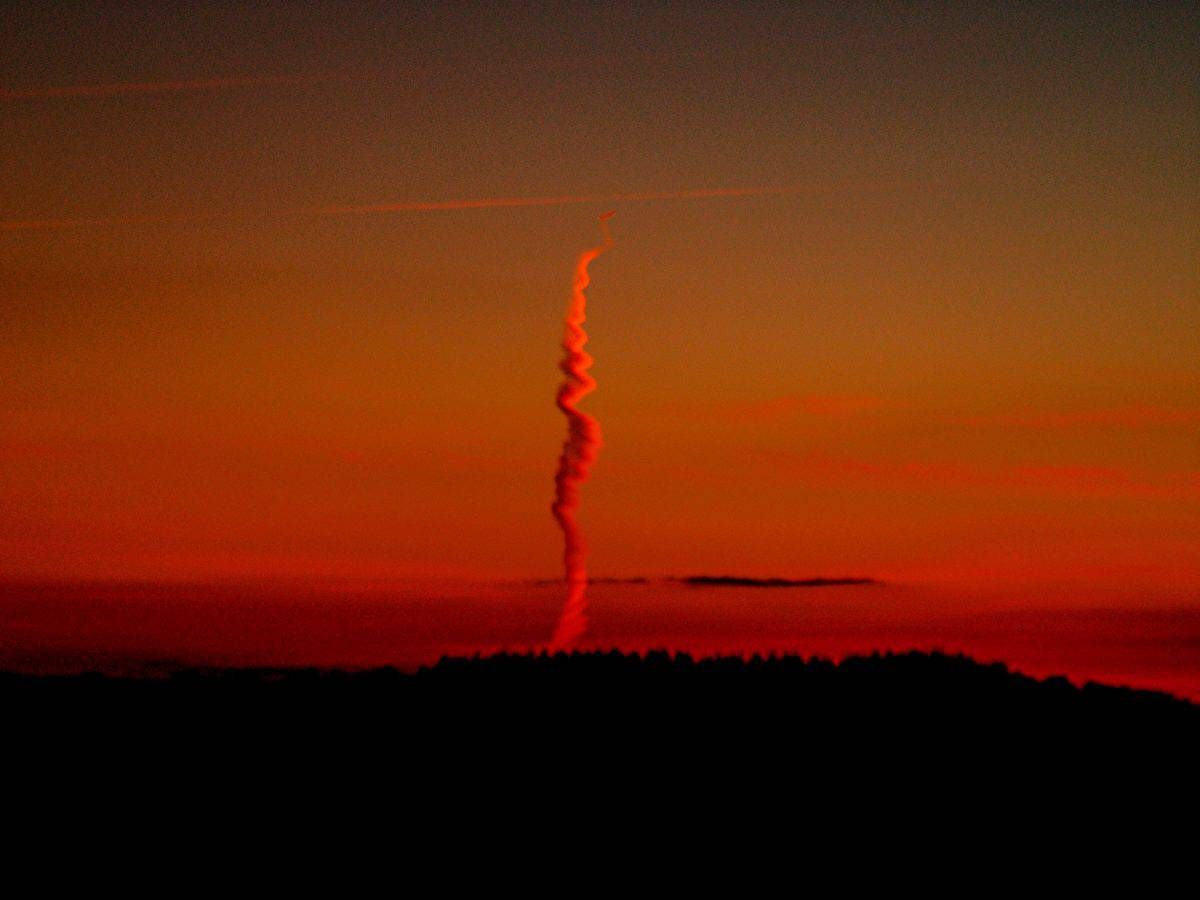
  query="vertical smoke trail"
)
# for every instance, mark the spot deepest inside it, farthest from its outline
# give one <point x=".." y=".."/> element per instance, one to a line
<point x="579" y="449"/>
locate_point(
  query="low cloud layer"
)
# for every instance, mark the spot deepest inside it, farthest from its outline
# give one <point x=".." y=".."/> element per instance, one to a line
<point x="1133" y="416"/>
<point x="740" y="581"/>
<point x="717" y="581"/>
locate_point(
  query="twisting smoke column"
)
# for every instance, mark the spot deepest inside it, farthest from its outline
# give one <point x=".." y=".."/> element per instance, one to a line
<point x="579" y="449"/>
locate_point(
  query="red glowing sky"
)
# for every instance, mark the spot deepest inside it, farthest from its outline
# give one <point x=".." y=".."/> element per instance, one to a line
<point x="908" y="293"/>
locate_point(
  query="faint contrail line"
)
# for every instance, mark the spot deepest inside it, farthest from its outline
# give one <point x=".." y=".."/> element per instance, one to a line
<point x="120" y="88"/>
<point x="565" y="199"/>
<point x="414" y="206"/>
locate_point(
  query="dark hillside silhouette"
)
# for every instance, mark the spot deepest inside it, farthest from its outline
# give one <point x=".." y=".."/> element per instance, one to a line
<point x="658" y="691"/>
<point x="576" y="730"/>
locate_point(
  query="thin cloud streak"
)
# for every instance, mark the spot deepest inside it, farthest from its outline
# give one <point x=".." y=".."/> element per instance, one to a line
<point x="1134" y="416"/>
<point x="567" y="200"/>
<point x="122" y="88"/>
<point x="418" y="206"/>
<point x="776" y="409"/>
<point x="1065" y="480"/>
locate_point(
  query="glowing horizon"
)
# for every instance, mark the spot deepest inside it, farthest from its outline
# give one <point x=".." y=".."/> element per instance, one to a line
<point x="905" y="293"/>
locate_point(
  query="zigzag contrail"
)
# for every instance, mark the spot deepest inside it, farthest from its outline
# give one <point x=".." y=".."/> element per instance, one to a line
<point x="579" y="450"/>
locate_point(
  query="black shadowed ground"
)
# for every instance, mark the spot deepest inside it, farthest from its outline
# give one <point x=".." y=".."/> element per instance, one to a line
<point x="657" y="690"/>
<point x="591" y="726"/>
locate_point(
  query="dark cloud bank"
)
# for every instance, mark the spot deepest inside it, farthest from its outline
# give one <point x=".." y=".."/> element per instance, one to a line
<point x="719" y="581"/>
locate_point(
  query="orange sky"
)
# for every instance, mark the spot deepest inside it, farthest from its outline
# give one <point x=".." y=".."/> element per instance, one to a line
<point x="961" y="347"/>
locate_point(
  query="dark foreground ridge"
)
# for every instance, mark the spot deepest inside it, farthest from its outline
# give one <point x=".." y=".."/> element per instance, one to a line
<point x="598" y="723"/>
<point x="940" y="690"/>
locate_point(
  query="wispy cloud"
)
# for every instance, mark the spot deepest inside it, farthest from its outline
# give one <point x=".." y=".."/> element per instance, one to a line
<point x="776" y="409"/>
<point x="745" y="581"/>
<point x="414" y="206"/>
<point x="703" y="581"/>
<point x="121" y="88"/>
<point x="1132" y="416"/>
<point x="1065" y="479"/>
<point x="569" y="199"/>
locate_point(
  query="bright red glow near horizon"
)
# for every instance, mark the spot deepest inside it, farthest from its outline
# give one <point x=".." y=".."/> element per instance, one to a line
<point x="907" y="294"/>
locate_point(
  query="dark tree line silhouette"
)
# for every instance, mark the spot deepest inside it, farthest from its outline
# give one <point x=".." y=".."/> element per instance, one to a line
<point x="655" y="690"/>
<point x="569" y="726"/>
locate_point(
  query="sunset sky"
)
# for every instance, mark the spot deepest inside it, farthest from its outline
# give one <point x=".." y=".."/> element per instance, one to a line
<point x="949" y="336"/>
